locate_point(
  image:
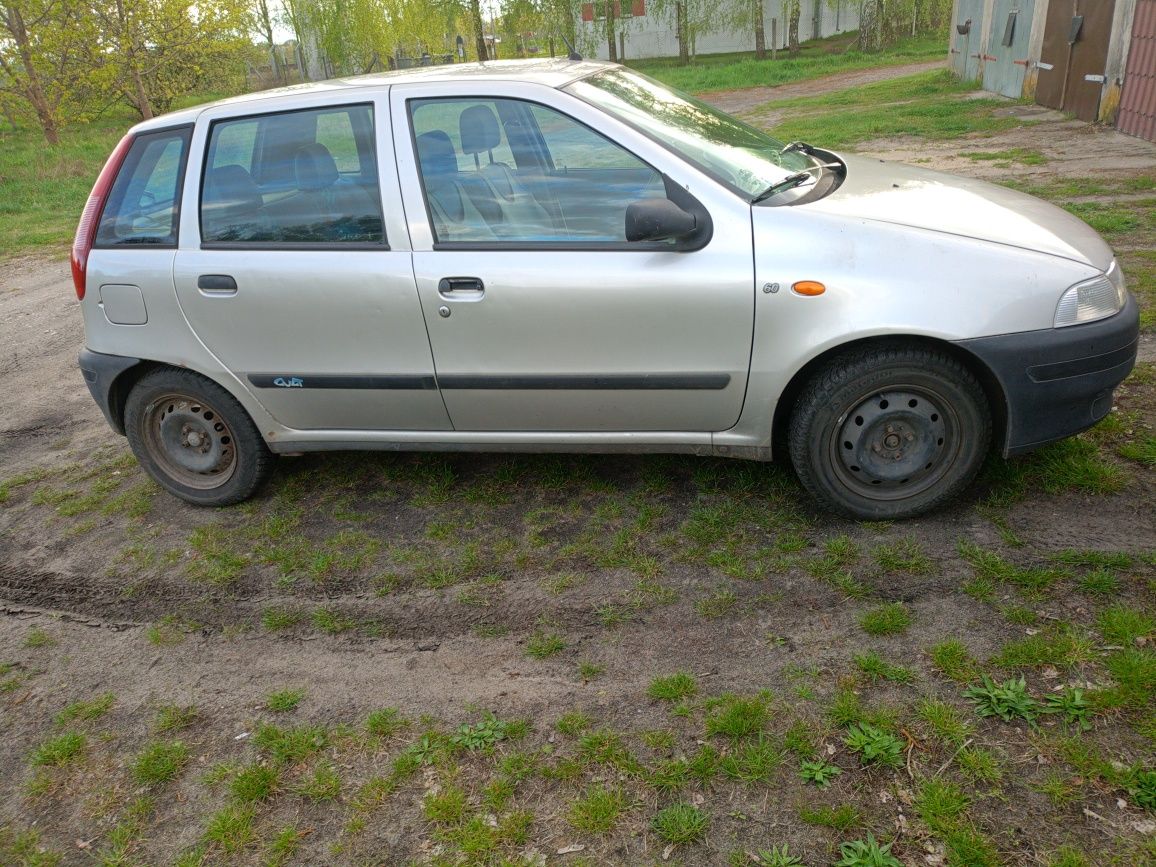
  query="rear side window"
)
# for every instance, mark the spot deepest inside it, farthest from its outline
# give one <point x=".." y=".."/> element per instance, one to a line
<point x="294" y="178"/>
<point x="144" y="203"/>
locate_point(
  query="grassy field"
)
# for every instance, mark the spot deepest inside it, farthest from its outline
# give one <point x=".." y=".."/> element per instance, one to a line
<point x="44" y="188"/>
<point x="928" y="105"/>
<point x="817" y="58"/>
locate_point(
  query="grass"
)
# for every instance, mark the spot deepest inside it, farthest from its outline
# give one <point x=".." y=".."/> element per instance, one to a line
<point x="284" y="700"/>
<point x="255" y="782"/>
<point x="232" y="828"/>
<point x="85" y="711"/>
<point x="543" y="644"/>
<point x="598" y="810"/>
<point x="1124" y="625"/>
<point x="173" y="717"/>
<point x="1023" y="156"/>
<point x="816" y="58"/>
<point x="930" y="105"/>
<point x="953" y="660"/>
<point x="61" y="750"/>
<point x="159" y="762"/>
<point x="675" y="687"/>
<point x="890" y="619"/>
<point x="941" y="804"/>
<point x="944" y="721"/>
<point x="1061" y="646"/>
<point x="680" y="823"/>
<point x="46" y="188"/>
<point x="323" y="783"/>
<point x="291" y="744"/>
<point x="37" y="638"/>
<point x="842" y="818"/>
<point x="385" y="722"/>
<point x="876" y="668"/>
<point x="737" y="717"/>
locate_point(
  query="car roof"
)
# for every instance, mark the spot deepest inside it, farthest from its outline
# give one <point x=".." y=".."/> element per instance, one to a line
<point x="552" y="72"/>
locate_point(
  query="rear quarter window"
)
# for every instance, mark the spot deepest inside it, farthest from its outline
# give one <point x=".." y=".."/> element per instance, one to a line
<point x="144" y="203"/>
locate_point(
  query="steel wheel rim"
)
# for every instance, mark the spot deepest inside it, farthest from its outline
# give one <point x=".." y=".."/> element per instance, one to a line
<point x="190" y="440"/>
<point x="895" y="443"/>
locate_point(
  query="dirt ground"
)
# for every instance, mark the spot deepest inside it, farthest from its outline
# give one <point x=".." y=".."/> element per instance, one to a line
<point x="430" y="583"/>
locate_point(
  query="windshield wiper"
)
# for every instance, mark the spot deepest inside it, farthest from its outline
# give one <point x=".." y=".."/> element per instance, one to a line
<point x="792" y="181"/>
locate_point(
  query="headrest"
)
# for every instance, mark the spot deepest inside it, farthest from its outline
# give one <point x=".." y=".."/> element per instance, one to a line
<point x="436" y="153"/>
<point x="479" y="129"/>
<point x="230" y="191"/>
<point x="314" y="167"/>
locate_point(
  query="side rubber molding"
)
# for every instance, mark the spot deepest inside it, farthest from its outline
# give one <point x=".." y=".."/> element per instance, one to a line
<point x="100" y="373"/>
<point x="1059" y="381"/>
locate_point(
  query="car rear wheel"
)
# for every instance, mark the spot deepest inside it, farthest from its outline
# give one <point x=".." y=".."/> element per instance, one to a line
<point x="889" y="432"/>
<point x="195" y="439"/>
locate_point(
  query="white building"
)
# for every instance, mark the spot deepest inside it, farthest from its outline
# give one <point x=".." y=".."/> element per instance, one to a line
<point x="645" y="35"/>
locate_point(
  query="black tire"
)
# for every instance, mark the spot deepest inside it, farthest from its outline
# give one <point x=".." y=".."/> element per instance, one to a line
<point x="889" y="432"/>
<point x="194" y="438"/>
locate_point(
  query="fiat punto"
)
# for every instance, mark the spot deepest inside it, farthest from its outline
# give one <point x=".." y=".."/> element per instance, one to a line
<point x="569" y="256"/>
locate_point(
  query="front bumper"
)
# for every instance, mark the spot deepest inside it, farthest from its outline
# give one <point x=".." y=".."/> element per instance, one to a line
<point x="1059" y="381"/>
<point x="100" y="375"/>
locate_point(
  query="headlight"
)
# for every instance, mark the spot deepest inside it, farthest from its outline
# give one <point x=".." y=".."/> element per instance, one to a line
<point x="1093" y="299"/>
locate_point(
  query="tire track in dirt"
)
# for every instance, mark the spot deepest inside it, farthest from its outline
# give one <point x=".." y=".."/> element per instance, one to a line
<point x="89" y="597"/>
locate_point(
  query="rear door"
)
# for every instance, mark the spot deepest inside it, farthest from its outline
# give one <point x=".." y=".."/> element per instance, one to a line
<point x="295" y="269"/>
<point x="541" y="316"/>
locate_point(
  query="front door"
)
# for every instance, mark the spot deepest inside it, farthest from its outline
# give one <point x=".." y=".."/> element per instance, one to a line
<point x="541" y="315"/>
<point x="296" y="285"/>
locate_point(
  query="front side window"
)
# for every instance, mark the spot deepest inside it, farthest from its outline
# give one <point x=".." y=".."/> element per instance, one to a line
<point x="510" y="171"/>
<point x="300" y="178"/>
<point x="143" y="204"/>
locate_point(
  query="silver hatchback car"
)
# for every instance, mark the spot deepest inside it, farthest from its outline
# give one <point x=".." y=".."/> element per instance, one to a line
<point x="569" y="256"/>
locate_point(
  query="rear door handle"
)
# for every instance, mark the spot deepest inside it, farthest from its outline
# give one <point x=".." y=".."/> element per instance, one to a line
<point x="217" y="284"/>
<point x="461" y="288"/>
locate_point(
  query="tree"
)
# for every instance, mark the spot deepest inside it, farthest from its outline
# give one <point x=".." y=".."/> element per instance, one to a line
<point x="690" y="19"/>
<point x="152" y="51"/>
<point x="479" y="29"/>
<point x="263" y="24"/>
<point x="793" y="10"/>
<point x="39" y="67"/>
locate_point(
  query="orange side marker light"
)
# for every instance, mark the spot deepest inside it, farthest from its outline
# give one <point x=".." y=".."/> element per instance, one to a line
<point x="809" y="288"/>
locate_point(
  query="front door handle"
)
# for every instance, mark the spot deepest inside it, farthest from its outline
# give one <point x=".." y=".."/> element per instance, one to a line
<point x="461" y="288"/>
<point x="217" y="284"/>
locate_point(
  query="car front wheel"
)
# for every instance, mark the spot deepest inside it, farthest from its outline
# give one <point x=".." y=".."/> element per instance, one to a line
<point x="889" y="432"/>
<point x="194" y="438"/>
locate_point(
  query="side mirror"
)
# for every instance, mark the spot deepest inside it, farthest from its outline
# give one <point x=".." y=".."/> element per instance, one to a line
<point x="658" y="220"/>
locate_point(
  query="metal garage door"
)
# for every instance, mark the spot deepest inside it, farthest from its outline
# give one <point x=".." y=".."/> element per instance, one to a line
<point x="967" y="47"/>
<point x="1137" y="115"/>
<point x="1007" y="52"/>
<point x="1074" y="56"/>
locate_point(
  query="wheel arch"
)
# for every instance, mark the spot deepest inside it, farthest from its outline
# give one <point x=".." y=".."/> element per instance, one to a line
<point x="123" y="384"/>
<point x="120" y="387"/>
<point x="992" y="389"/>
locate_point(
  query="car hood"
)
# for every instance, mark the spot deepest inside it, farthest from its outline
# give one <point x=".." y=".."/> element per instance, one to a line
<point x="919" y="198"/>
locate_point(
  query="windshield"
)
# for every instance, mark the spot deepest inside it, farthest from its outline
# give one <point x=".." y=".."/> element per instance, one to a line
<point x="741" y="155"/>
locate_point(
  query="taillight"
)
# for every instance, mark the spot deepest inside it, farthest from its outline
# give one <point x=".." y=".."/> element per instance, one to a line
<point x="86" y="231"/>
